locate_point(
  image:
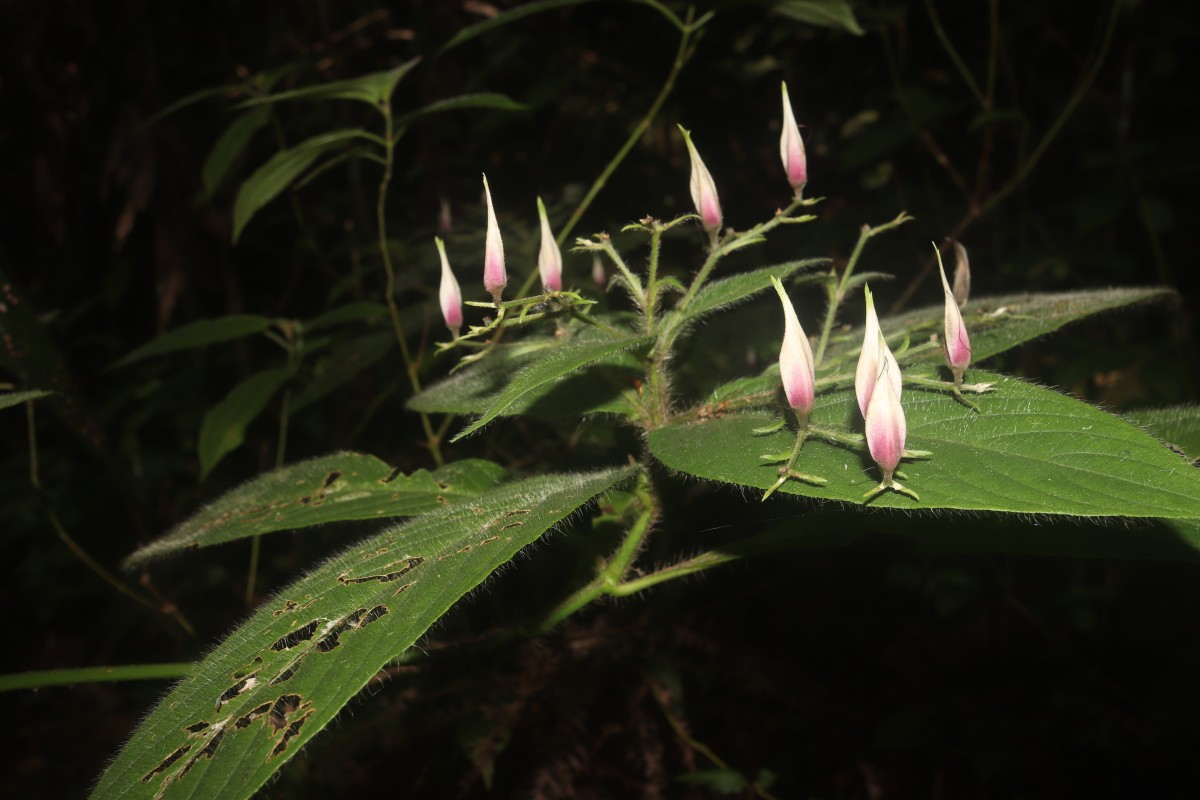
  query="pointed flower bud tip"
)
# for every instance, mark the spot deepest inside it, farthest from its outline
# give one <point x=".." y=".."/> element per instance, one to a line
<point x="495" y="278"/>
<point x="795" y="360"/>
<point x="549" y="256"/>
<point x="791" y="148"/>
<point x="956" y="345"/>
<point x="704" y="191"/>
<point x="962" y="275"/>
<point x="885" y="424"/>
<point x="449" y="295"/>
<point x="868" y="357"/>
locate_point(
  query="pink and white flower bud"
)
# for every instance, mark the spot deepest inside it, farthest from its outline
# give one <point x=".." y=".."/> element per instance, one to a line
<point x="704" y="191"/>
<point x="791" y="148"/>
<point x="599" y="276"/>
<point x="549" y="256"/>
<point x="495" y="278"/>
<point x="956" y="345"/>
<point x="871" y="358"/>
<point x="885" y="424"/>
<point x="449" y="295"/>
<point x="962" y="275"/>
<point x="795" y="360"/>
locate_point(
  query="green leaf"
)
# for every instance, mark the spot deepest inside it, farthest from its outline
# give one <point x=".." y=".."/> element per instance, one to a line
<point x="10" y="399"/>
<point x="512" y="15"/>
<point x="374" y="88"/>
<point x="266" y="182"/>
<point x="229" y="145"/>
<point x="1178" y="426"/>
<point x="490" y="100"/>
<point x="721" y="781"/>
<point x="827" y="13"/>
<point x="996" y="324"/>
<point x="191" y="99"/>
<point x="199" y="334"/>
<point x="352" y="312"/>
<point x="1030" y="450"/>
<point x="737" y="288"/>
<point x="332" y="488"/>
<point x="476" y="388"/>
<point x="71" y="677"/>
<point x="342" y="363"/>
<point x="224" y="426"/>
<point x="282" y="676"/>
<point x="551" y="366"/>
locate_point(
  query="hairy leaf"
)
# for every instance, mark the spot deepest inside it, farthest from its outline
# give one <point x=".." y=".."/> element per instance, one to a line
<point x="224" y="426"/>
<point x="995" y="324"/>
<point x="738" y="288"/>
<point x="199" y="334"/>
<point x="332" y="488"/>
<point x="1178" y="426"/>
<point x="266" y="182"/>
<point x="1030" y="450"/>
<point x="258" y="697"/>
<point x="476" y="388"/>
<point x="551" y="366"/>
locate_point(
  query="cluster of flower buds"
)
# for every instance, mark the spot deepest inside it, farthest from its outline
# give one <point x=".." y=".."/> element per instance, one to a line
<point x="878" y="386"/>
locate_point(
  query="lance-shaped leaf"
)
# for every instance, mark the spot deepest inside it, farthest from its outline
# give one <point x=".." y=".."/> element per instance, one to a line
<point x="332" y="488"/>
<point x="555" y="364"/>
<point x="511" y="15"/>
<point x="254" y="701"/>
<point x="488" y="100"/>
<point x="278" y="173"/>
<point x="229" y="145"/>
<point x="1178" y="426"/>
<point x="735" y="289"/>
<point x="199" y="334"/>
<point x="224" y="426"/>
<point x="374" y="88"/>
<point x="1029" y="450"/>
<point x="10" y="399"/>
<point x="997" y="324"/>
<point x="475" y="389"/>
<point x="344" y="361"/>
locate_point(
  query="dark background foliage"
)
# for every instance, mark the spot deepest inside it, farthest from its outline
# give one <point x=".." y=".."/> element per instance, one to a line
<point x="867" y="671"/>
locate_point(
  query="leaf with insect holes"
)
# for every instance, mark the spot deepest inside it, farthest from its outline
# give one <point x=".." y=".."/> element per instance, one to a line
<point x="280" y="677"/>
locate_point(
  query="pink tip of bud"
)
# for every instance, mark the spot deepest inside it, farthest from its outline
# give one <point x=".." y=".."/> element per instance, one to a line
<point x="598" y="274"/>
<point x="795" y="360"/>
<point x="449" y="295"/>
<point x="956" y="345"/>
<point x="791" y="148"/>
<point x="703" y="189"/>
<point x="495" y="278"/>
<point x="549" y="257"/>
<point x="885" y="424"/>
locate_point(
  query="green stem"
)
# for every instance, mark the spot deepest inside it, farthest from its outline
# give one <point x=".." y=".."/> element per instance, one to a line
<point x="838" y="293"/>
<point x="78" y="675"/>
<point x="411" y="367"/>
<point x="652" y="280"/>
<point x="951" y="51"/>
<point x="682" y="54"/>
<point x="611" y="575"/>
<point x="33" y="449"/>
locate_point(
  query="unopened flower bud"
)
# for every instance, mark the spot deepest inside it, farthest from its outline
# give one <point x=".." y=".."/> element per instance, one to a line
<point x="704" y="191"/>
<point x="495" y="278"/>
<point x="449" y="295"/>
<point x="885" y="425"/>
<point x="445" y="221"/>
<point x="549" y="256"/>
<point x="791" y="148"/>
<point x="795" y="360"/>
<point x="870" y="358"/>
<point x="956" y="344"/>
<point x="599" y="276"/>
